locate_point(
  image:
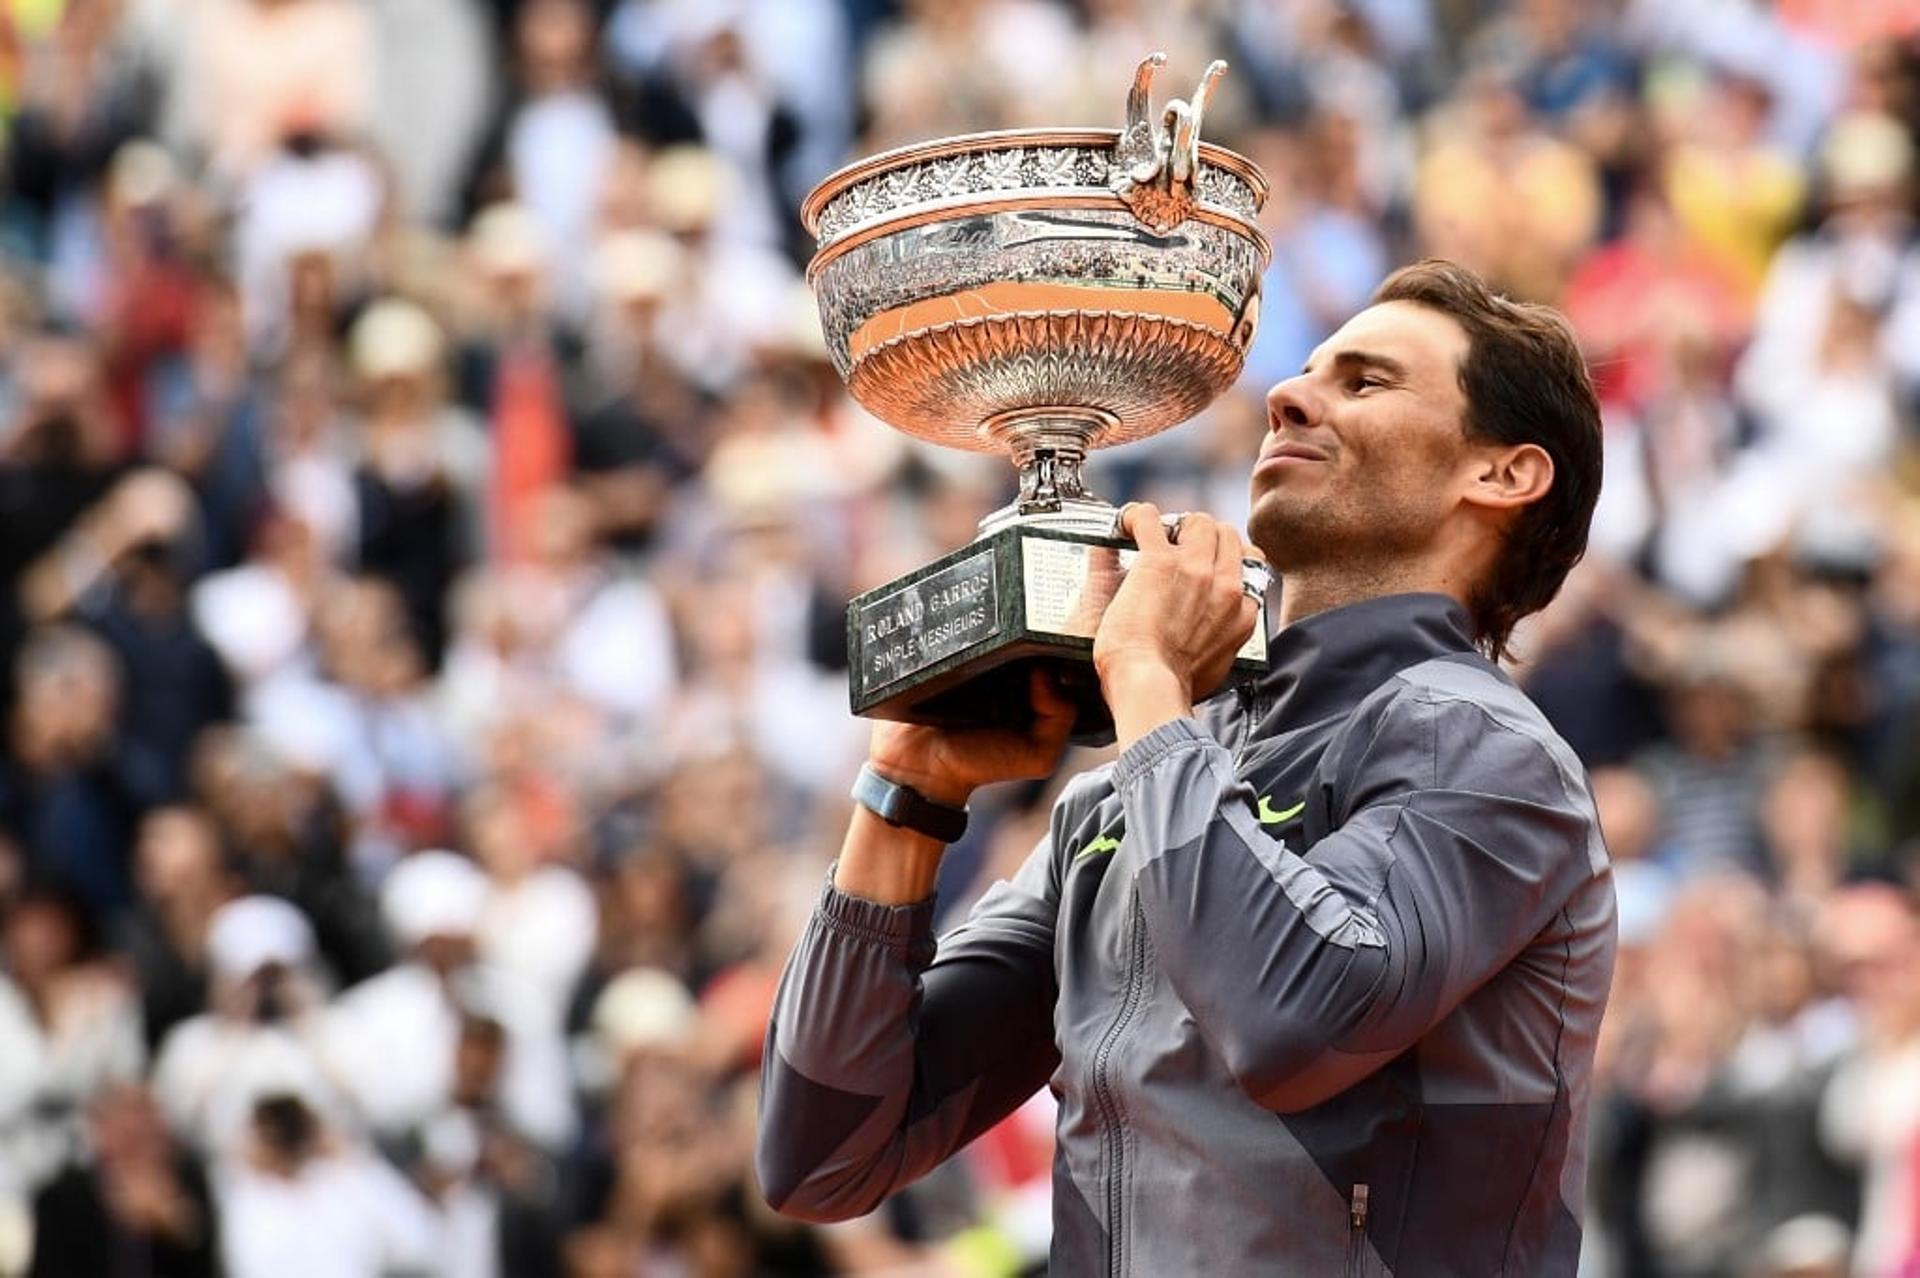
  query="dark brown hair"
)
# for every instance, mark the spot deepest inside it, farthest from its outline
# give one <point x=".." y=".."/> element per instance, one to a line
<point x="1525" y="382"/>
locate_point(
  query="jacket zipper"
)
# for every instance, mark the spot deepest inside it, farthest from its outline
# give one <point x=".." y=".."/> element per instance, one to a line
<point x="1357" y="1231"/>
<point x="1249" y="703"/>
<point x="1105" y="1101"/>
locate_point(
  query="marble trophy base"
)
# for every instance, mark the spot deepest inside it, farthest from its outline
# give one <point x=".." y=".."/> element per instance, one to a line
<point x="951" y="644"/>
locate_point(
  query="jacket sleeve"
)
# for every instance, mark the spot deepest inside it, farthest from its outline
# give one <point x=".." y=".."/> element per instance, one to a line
<point x="882" y="1059"/>
<point x="1460" y="837"/>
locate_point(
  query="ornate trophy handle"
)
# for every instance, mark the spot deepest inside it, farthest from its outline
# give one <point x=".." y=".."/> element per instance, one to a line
<point x="1156" y="169"/>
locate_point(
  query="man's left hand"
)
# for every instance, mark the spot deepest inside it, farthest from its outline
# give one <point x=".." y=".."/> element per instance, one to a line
<point x="1171" y="632"/>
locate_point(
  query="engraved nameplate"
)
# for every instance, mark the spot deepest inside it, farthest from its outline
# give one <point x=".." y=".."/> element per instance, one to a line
<point x="1068" y="585"/>
<point x="909" y="629"/>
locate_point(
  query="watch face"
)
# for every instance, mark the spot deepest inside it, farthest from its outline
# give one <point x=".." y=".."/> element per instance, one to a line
<point x="899" y="805"/>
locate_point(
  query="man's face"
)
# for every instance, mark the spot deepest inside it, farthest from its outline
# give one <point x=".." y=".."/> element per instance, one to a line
<point x="1366" y="452"/>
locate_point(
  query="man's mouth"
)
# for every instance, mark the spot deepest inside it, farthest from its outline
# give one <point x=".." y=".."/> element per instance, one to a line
<point x="1283" y="456"/>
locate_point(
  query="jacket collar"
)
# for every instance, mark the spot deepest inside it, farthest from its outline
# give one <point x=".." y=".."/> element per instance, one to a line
<point x="1327" y="663"/>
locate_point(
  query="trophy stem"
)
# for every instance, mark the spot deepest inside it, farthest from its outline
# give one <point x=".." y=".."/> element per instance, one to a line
<point x="1048" y="446"/>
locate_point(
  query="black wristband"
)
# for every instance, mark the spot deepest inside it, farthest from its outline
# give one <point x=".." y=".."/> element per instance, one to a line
<point x="906" y="807"/>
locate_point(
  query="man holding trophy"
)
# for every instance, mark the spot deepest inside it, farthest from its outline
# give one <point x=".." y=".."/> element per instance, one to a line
<point x="1317" y="965"/>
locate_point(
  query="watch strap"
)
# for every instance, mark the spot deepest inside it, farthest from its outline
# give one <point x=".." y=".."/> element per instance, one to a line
<point x="904" y="806"/>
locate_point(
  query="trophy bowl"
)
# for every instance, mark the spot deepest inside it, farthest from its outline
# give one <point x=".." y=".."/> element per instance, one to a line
<point x="1038" y="293"/>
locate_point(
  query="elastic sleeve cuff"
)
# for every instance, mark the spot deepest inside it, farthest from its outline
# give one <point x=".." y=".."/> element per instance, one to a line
<point x="905" y="929"/>
<point x="1175" y="734"/>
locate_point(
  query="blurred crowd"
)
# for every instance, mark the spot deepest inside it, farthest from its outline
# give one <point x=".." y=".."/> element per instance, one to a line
<point x="427" y="514"/>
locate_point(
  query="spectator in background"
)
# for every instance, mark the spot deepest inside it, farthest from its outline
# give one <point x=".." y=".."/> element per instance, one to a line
<point x="300" y="1198"/>
<point x="307" y="461"/>
<point x="393" y="1039"/>
<point x="1734" y="190"/>
<point x="137" y="1201"/>
<point x="553" y="144"/>
<point x="286" y="833"/>
<point x="258" y="615"/>
<point x="209" y="406"/>
<point x="496" y="1192"/>
<point x="714" y="324"/>
<point x="182" y="879"/>
<point x="263" y="1015"/>
<point x="744" y="122"/>
<point x="432" y="93"/>
<point x="422" y="476"/>
<point x="363" y="720"/>
<point x="516" y="360"/>
<point x="260" y="69"/>
<point x="1871" y="1112"/>
<point x="1710" y="778"/>
<point x="1805" y="821"/>
<point x="540" y="923"/>
<point x="149" y="296"/>
<point x="1501" y="194"/>
<point x="641" y="432"/>
<point x="306" y="214"/>
<point x="943" y="67"/>
<point x="652" y="913"/>
<point x="124" y="572"/>
<point x="82" y="92"/>
<point x="1327" y="254"/>
<point x="59" y="450"/>
<point x="70" y="791"/>
<point x="71" y="1027"/>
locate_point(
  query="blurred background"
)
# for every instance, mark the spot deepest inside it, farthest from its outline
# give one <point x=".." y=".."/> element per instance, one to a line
<point x="426" y="514"/>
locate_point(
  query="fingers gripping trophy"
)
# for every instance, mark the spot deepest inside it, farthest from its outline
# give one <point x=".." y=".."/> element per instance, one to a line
<point x="1038" y="293"/>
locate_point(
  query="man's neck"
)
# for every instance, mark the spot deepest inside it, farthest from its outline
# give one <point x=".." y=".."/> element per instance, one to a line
<point x="1307" y="591"/>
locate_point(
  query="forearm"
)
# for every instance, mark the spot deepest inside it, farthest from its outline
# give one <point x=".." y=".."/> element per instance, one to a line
<point x="881" y="1062"/>
<point x="1143" y="695"/>
<point x="878" y="1066"/>
<point x="55" y="582"/>
<point x="886" y="864"/>
<point x="842" y="1032"/>
<point x="889" y="864"/>
<point x="1276" y="962"/>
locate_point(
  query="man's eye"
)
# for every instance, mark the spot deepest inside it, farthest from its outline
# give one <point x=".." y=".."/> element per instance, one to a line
<point x="1364" y="383"/>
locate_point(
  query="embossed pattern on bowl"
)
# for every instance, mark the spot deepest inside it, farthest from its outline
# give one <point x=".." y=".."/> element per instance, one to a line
<point x="963" y="279"/>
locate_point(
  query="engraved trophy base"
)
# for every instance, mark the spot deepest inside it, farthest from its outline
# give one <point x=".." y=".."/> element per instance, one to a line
<point x="951" y="644"/>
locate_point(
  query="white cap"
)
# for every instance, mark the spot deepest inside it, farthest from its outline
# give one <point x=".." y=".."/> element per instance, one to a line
<point x="248" y="934"/>
<point x="1809" y="1242"/>
<point x="687" y="186"/>
<point x="637" y="265"/>
<point x="644" y="1008"/>
<point x="433" y="894"/>
<point x="142" y="173"/>
<point x="1866" y="151"/>
<point x="394" y="338"/>
<point x="507" y="239"/>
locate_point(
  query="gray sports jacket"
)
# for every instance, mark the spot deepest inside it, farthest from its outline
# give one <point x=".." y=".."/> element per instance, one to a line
<point x="1316" y="980"/>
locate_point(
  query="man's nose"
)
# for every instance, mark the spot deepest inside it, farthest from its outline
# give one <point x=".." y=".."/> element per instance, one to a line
<point x="1292" y="402"/>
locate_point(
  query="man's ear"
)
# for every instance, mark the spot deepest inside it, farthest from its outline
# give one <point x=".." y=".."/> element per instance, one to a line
<point x="1509" y="476"/>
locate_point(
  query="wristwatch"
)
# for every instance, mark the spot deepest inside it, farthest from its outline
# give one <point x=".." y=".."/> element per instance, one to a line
<point x="906" y="807"/>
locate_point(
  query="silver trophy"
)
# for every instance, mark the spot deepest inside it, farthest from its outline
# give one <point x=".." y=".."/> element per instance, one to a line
<point x="1038" y="293"/>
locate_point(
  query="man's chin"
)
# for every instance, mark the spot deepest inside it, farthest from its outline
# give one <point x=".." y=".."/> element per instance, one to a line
<point x="1290" y="535"/>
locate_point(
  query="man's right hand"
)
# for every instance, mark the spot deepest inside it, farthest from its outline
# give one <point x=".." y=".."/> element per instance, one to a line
<point x="891" y="865"/>
<point x="947" y="764"/>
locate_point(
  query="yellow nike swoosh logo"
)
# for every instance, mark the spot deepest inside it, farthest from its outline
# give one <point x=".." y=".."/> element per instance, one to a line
<point x="1269" y="817"/>
<point x="1105" y="843"/>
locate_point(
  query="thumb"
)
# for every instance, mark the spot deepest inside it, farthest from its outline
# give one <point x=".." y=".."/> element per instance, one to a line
<point x="1140" y="520"/>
